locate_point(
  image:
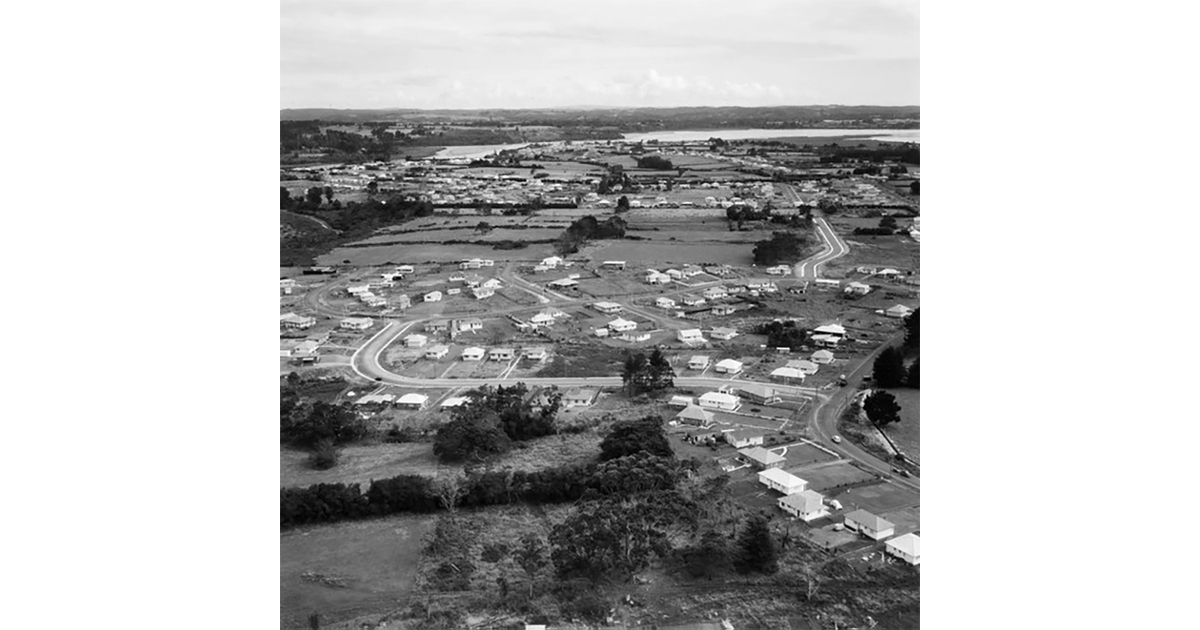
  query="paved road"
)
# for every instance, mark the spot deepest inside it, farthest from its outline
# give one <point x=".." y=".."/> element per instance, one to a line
<point x="809" y="268"/>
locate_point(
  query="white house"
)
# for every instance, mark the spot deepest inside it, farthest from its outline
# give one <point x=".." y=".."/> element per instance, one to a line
<point x="781" y="481"/>
<point x="825" y="341"/>
<point x="906" y="547"/>
<point x="690" y="335"/>
<point x="536" y="354"/>
<point x="563" y="283"/>
<point x="621" y="325"/>
<point x="437" y="352"/>
<point x="779" y="270"/>
<point x="293" y="321"/>
<point x="482" y="293"/>
<point x="356" y="323"/>
<point x="579" y="397"/>
<point x="694" y="414"/>
<point x="723" y="309"/>
<point x="808" y="368"/>
<point x="826" y="283"/>
<point x="681" y="401"/>
<point x="742" y="438"/>
<point x="552" y="261"/>
<point x="374" y="300"/>
<point x="454" y="401"/>
<point x="403" y="301"/>
<point x="415" y="341"/>
<point x="433" y="296"/>
<point x="833" y="330"/>
<point x="472" y="354"/>
<point x="635" y="337"/>
<point x="729" y="366"/>
<point x="358" y="290"/>
<point x="786" y="373"/>
<point x="607" y="308"/>
<point x="857" y="288"/>
<point x="869" y="525"/>
<point x="898" y="310"/>
<point x="657" y="278"/>
<point x="823" y="357"/>
<point x="501" y="354"/>
<point x="719" y="400"/>
<point x="691" y="300"/>
<point x="286" y="285"/>
<point x="664" y="302"/>
<point x="413" y="401"/>
<point x="760" y="394"/>
<point x="761" y="458"/>
<point x="541" y="319"/>
<point x="698" y="362"/>
<point x="722" y="333"/>
<point x="716" y="293"/>
<point x="468" y="324"/>
<point x="805" y="505"/>
<point x="613" y="264"/>
<point x="454" y="291"/>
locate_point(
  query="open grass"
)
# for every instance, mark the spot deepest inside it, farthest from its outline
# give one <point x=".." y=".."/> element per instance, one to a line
<point x="359" y="464"/>
<point x="551" y="451"/>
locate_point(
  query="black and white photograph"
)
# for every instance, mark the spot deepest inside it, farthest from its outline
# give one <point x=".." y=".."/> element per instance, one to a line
<point x="600" y="316"/>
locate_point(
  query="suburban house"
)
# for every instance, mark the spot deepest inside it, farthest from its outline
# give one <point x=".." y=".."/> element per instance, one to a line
<point x="716" y="293"/>
<point x="654" y="277"/>
<point x="413" y="401"/>
<point x="292" y="321"/>
<point x="501" y="354"/>
<point x="826" y="341"/>
<point x="374" y="399"/>
<point x="454" y="401"/>
<point x="698" y="362"/>
<point x="552" y="261"/>
<point x="601" y="332"/>
<point x="482" y="293"/>
<point x="537" y="354"/>
<point x="635" y="337"/>
<point x="760" y="394"/>
<point x="781" y="481"/>
<point x="786" y="373"/>
<point x="742" y="438"/>
<point x="664" y="302"/>
<point x="898" y="310"/>
<point x="719" y="270"/>
<point x="415" y="341"/>
<point x="563" y="283"/>
<point x="457" y="276"/>
<point x="403" y="301"/>
<point x="356" y="323"/>
<point x="358" y="289"/>
<point x="540" y="268"/>
<point x="436" y="326"/>
<point x="286" y="285"/>
<point x="807" y="367"/>
<point x="306" y="347"/>
<point x="541" y="319"/>
<point x="691" y="300"/>
<point x="833" y="330"/>
<point x="779" y="270"/>
<point x="613" y="264"/>
<point x="723" y="309"/>
<point x="433" y="296"/>
<point x="690" y="335"/>
<point x="454" y="291"/>
<point x="761" y="458"/>
<point x="491" y="283"/>
<point x="552" y="312"/>
<point x="695" y="415"/>
<point x="722" y="333"/>
<point x="404" y="269"/>
<point x="805" y="505"/>
<point x="470" y="323"/>
<point x="719" y="400"/>
<point x="826" y="283"/>
<point x="823" y="357"/>
<point x="607" y="308"/>
<point x="373" y="300"/>
<point x="675" y="274"/>
<point x="681" y="401"/>
<point x="906" y="547"/>
<point x="889" y="272"/>
<point x="621" y="325"/>
<point x="472" y="354"/>
<point x="857" y="288"/>
<point x="579" y="397"/>
<point x="869" y="525"/>
<point x="866" y="270"/>
<point x="729" y="366"/>
<point x="437" y="352"/>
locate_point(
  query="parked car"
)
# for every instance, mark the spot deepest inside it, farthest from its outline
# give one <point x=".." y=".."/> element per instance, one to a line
<point x="837" y="439"/>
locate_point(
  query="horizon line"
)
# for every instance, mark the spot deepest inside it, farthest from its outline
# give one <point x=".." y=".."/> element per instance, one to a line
<point x="540" y="107"/>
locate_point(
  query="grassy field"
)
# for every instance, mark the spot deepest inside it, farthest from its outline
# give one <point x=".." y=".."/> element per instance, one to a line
<point x="822" y="478"/>
<point x="428" y="252"/>
<point x="359" y="464"/>
<point x="659" y="252"/>
<point x="551" y="451"/>
<point x="347" y="570"/>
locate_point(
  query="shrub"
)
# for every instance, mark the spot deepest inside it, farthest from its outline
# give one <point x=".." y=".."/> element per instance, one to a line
<point x="324" y="456"/>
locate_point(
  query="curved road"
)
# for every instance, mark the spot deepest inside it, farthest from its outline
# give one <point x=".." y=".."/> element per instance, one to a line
<point x="809" y="268"/>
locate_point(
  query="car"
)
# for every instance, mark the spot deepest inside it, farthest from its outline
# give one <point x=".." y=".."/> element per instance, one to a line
<point x="379" y="378"/>
<point x="837" y="439"/>
<point x="755" y="410"/>
<point x="905" y="473"/>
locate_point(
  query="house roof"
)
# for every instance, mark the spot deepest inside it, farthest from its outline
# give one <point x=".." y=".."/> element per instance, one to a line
<point x="606" y="305"/>
<point x="830" y="329"/>
<point x="869" y="519"/>
<point x="723" y="331"/>
<point x="473" y="350"/>
<point x="413" y="399"/>
<point x="824" y="354"/>
<point x="909" y="544"/>
<point x="787" y="372"/>
<point x="760" y="454"/>
<point x="801" y="364"/>
<point x="501" y="350"/>
<point x="777" y="475"/>
<point x="437" y="348"/>
<point x="729" y="363"/>
<point x="580" y="394"/>
<point x="741" y="434"/>
<point x="620" y="321"/>
<point x="761" y="391"/>
<point x="455" y="401"/>
<point x="718" y="397"/>
<point x="698" y="358"/>
<point x="679" y="399"/>
<point x="690" y="331"/>
<point x="899" y="308"/>
<point x="694" y="412"/>
<point x="806" y="501"/>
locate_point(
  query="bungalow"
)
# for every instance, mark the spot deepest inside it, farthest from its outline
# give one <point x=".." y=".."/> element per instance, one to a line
<point x="867" y="269"/>
<point x="781" y="481"/>
<point x="703" y="435"/>
<point x="857" y="288"/>
<point x="541" y="319"/>
<point x="869" y="525"/>
<point x="356" y="323"/>
<point x="358" y="290"/>
<point x="898" y="310"/>
<point x="724" y="334"/>
<point x="635" y="337"/>
<point x="716" y="293"/>
<point x="691" y="300"/>
<point x="825" y="341"/>
<point x="469" y="324"/>
<point x="607" y="307"/>
<point x="719" y="270"/>
<point x="482" y="293"/>
<point x="698" y="362"/>
<point x="454" y="291"/>
<point x="472" y="354"/>
<point x="415" y="341"/>
<point x="830" y="329"/>
<point x="601" y="332"/>
<point x="613" y="264"/>
<point x="470" y="264"/>
<point x="292" y="321"/>
<point x="805" y="505"/>
<point x="680" y="401"/>
<point x="721" y="401"/>
<point x="473" y="280"/>
<point x="696" y="415"/>
<point x="729" y="366"/>
<point x="540" y="268"/>
<point x="403" y="301"/>
<point x="374" y="301"/>
<point x="779" y="270"/>
<point x="675" y="274"/>
<point x="537" y="354"/>
<point x="563" y="283"/>
<point x="374" y="399"/>
<point x="579" y="397"/>
<point x="488" y="262"/>
<point x="413" y="401"/>
<point x="306" y="348"/>
<point x="690" y="335"/>
<point x="742" y="438"/>
<point x="437" y="352"/>
<point x="762" y="459"/>
<point x="723" y="309"/>
<point x="906" y="548"/>
<point x="823" y="357"/>
<point x="437" y="325"/>
<point x="501" y="354"/>
<point x="552" y="261"/>
<point x="826" y="283"/>
<point x="889" y="272"/>
<point x="404" y="269"/>
<point x="786" y="373"/>
<point x="454" y="401"/>
<point x="381" y="284"/>
<point x="808" y="368"/>
<point x="491" y="283"/>
<point x="552" y="312"/>
<point x="664" y="302"/>
<point x="433" y="296"/>
<point x="621" y="325"/>
<point x="760" y="394"/>
<point x="655" y="277"/>
<point x="286" y="285"/>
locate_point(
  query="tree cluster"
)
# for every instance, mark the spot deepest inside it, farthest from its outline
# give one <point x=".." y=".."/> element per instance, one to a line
<point x="656" y="162"/>
<point x="629" y="437"/>
<point x="912" y="330"/>
<point x="782" y="247"/>
<point x="493" y="419"/>
<point x="782" y="334"/>
<point x="647" y="375"/>
<point x="881" y="408"/>
<point x="888" y="370"/>
<point x="589" y="228"/>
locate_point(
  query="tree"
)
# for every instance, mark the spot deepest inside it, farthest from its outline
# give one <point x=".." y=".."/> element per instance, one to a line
<point x="882" y="408"/>
<point x="915" y="188"/>
<point x="914" y="375"/>
<point x="329" y="194"/>
<point x="888" y="223"/>
<point x="450" y="491"/>
<point x="372" y="187"/>
<point x="710" y="557"/>
<point x="308" y="423"/>
<point x="632" y="436"/>
<point x="614" y="537"/>
<point x="623" y="204"/>
<point x="531" y="556"/>
<point x="756" y="548"/>
<point x="483" y="226"/>
<point x="631" y="474"/>
<point x="470" y="437"/>
<point x="313" y="195"/>
<point x="661" y="374"/>
<point x="829" y="206"/>
<point x="285" y="198"/>
<point x="633" y="373"/>
<point x="889" y="368"/>
<point x="912" y="329"/>
<point x="780" y="248"/>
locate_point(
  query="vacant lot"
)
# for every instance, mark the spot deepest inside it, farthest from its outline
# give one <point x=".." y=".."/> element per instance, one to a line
<point x="419" y="253"/>
<point x="347" y="570"/>
<point x="805" y="455"/>
<point x="359" y="464"/>
<point x="825" y="478"/>
<point x="464" y="234"/>
<point x="879" y="498"/>
<point x="659" y="252"/>
<point x="551" y="451"/>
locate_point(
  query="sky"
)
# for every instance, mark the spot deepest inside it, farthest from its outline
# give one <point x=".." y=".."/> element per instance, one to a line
<point x="472" y="54"/>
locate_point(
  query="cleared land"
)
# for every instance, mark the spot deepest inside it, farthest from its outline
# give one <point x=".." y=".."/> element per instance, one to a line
<point x="359" y="464"/>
